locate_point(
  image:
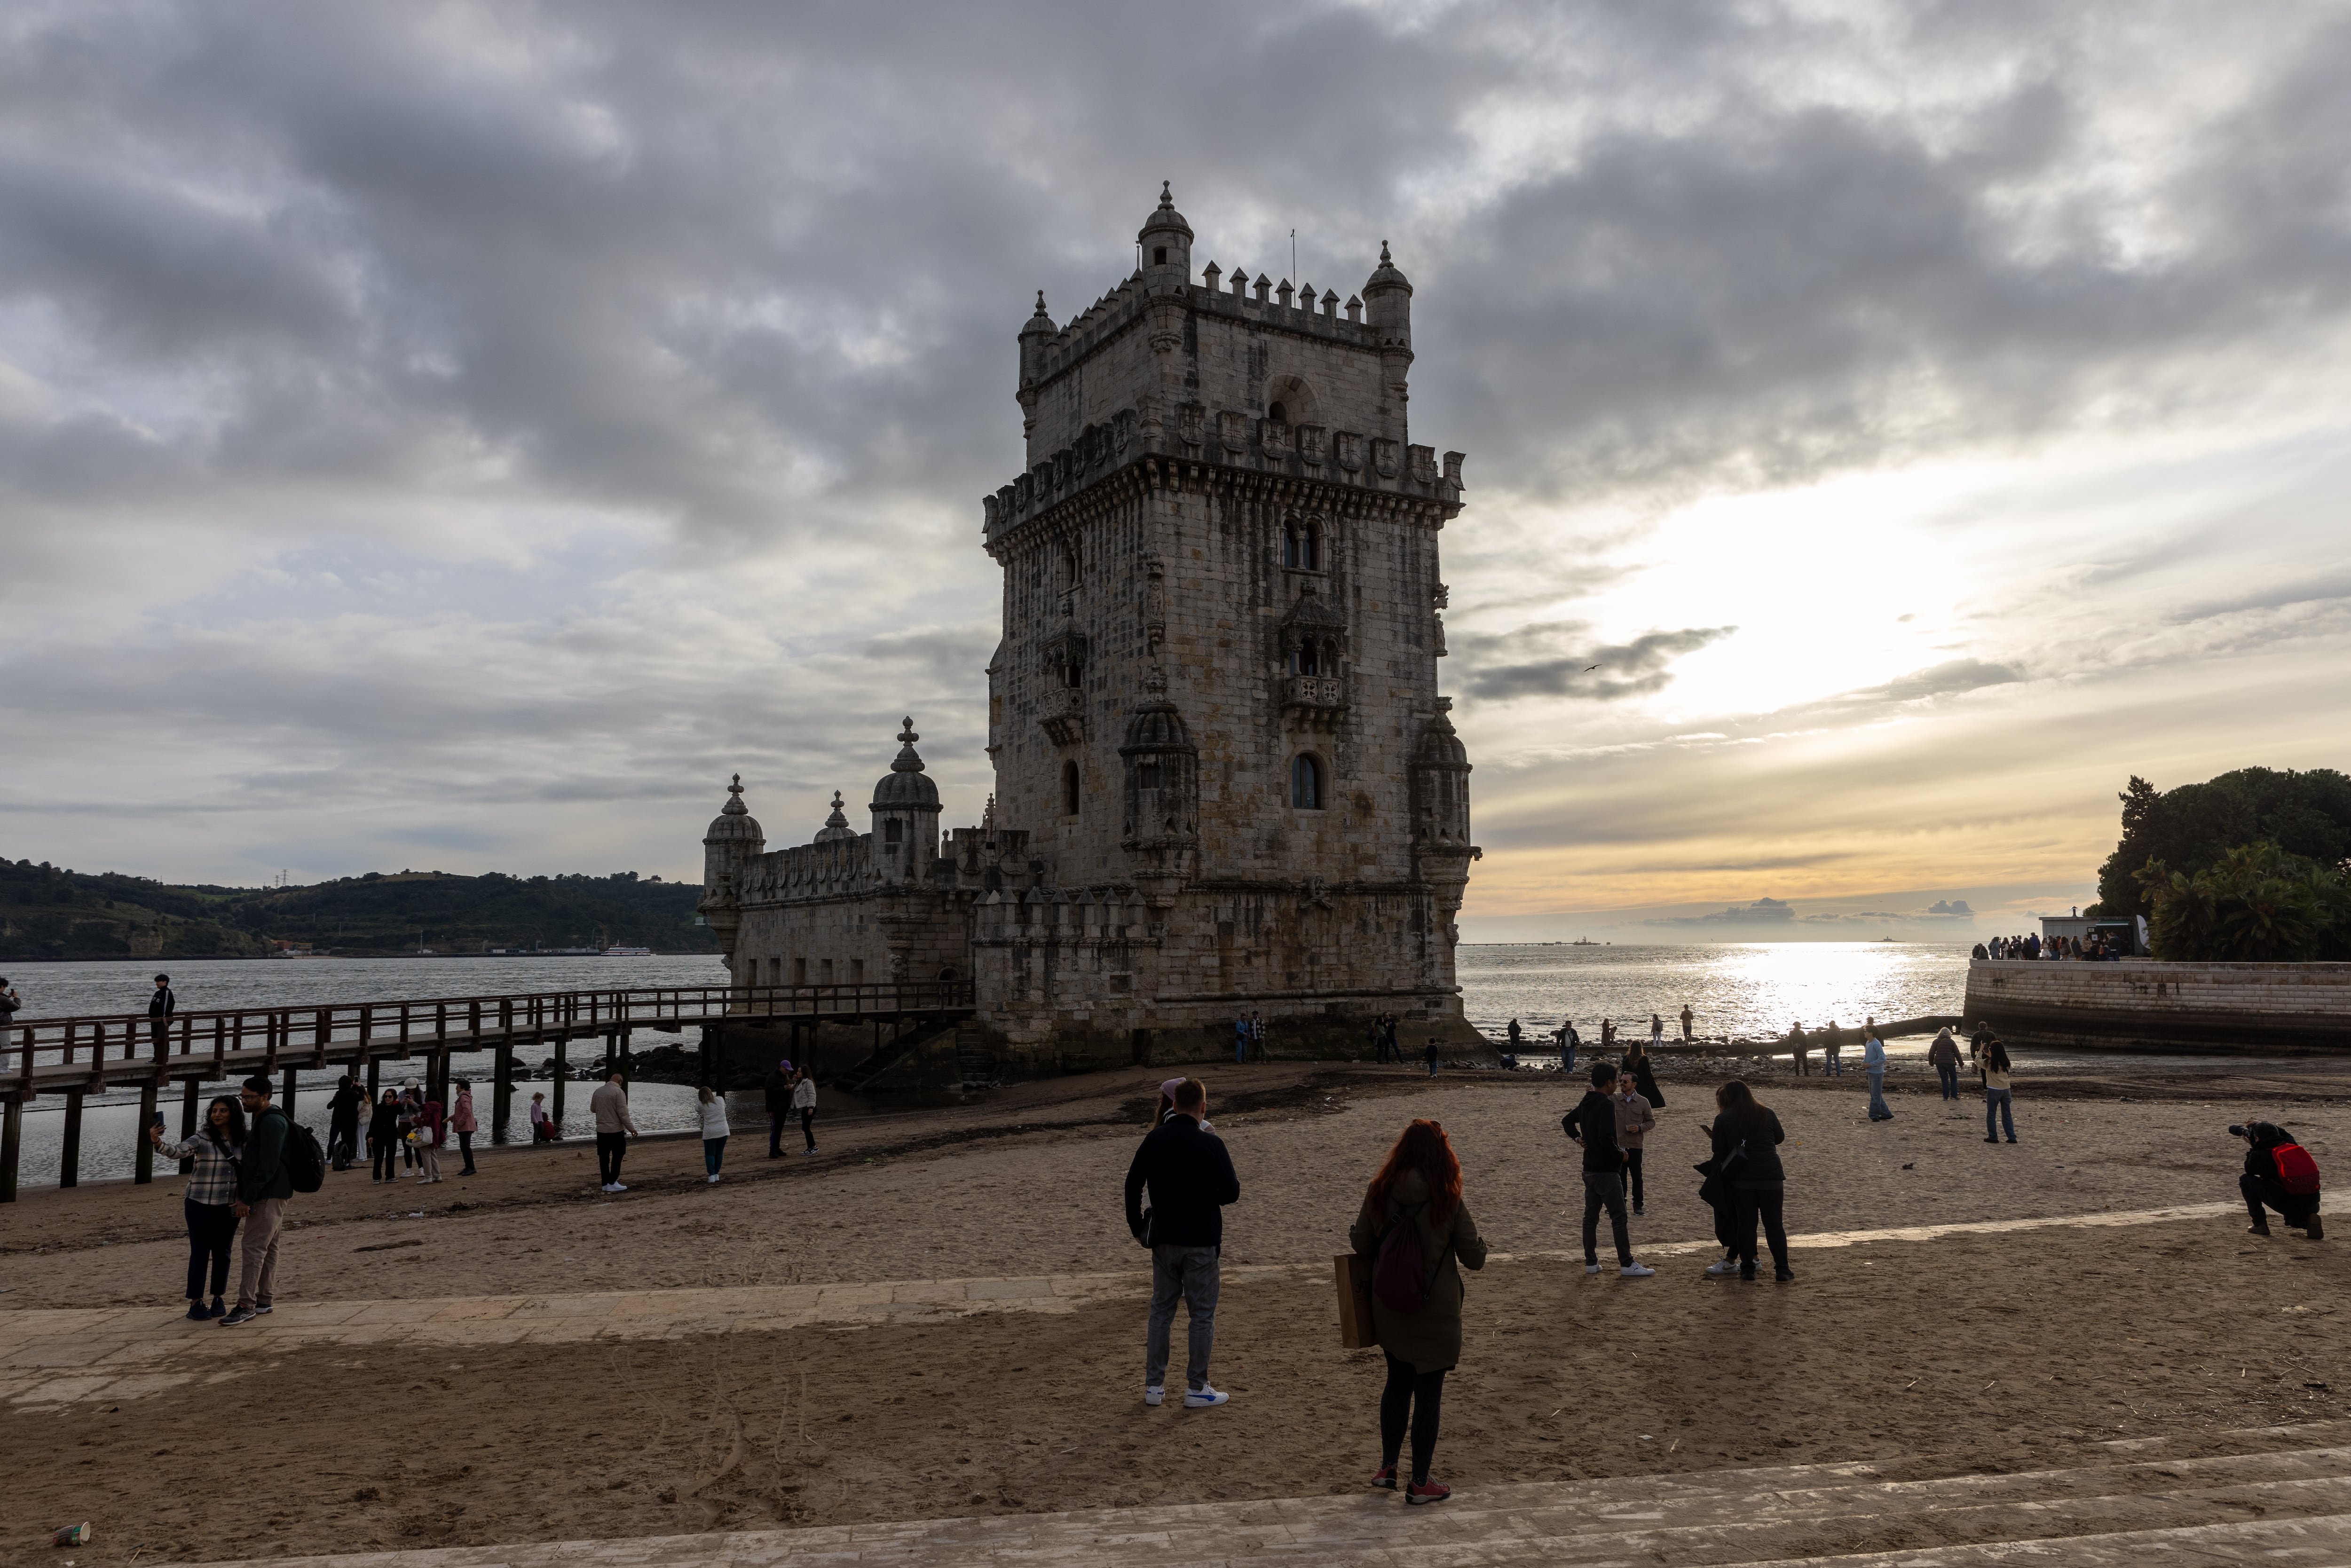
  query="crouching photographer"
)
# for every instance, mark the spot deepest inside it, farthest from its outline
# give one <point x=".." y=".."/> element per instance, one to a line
<point x="2280" y="1174"/>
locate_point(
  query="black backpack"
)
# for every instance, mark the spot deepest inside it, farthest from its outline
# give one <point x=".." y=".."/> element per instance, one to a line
<point x="306" y="1162"/>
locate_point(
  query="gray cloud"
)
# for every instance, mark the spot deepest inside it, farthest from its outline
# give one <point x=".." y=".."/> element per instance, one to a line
<point x="1625" y="669"/>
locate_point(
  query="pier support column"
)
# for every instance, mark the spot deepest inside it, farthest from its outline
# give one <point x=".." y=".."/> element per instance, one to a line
<point x="12" y="1147"/>
<point x="286" y="1098"/>
<point x="502" y="1092"/>
<point x="143" y="1170"/>
<point x="188" y="1121"/>
<point x="562" y="1077"/>
<point x="69" y="1157"/>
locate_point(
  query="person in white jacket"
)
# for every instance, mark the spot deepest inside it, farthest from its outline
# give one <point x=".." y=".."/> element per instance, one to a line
<point x="804" y="1101"/>
<point x="714" y="1131"/>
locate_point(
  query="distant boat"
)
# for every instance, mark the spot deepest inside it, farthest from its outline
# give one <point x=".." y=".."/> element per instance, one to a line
<point x="1583" y="942"/>
<point x="628" y="952"/>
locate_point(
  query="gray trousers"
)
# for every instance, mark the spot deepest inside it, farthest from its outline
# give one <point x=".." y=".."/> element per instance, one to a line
<point x="257" y="1263"/>
<point x="1605" y="1189"/>
<point x="1189" y="1273"/>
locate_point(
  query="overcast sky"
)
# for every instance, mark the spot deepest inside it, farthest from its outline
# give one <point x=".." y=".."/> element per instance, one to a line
<point x="453" y="436"/>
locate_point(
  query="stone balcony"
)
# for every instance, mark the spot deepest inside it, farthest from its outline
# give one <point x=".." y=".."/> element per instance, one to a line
<point x="1062" y="713"/>
<point x="1313" y="702"/>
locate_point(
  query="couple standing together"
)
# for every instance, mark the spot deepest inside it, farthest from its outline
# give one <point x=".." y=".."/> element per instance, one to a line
<point x="1415" y="1202"/>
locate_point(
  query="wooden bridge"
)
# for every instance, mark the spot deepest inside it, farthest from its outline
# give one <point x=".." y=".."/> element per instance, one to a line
<point x="77" y="1056"/>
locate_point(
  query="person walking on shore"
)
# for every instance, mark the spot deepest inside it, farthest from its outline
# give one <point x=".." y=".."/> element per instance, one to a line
<point x="1689" y="1018"/>
<point x="1746" y="1137"/>
<point x="1415" y="1229"/>
<point x="1873" y="1064"/>
<point x="1635" y="1117"/>
<point x="1513" y="1032"/>
<point x="1568" y="1040"/>
<point x="1645" y="1076"/>
<point x="462" y="1122"/>
<point x="714" y="1131"/>
<point x="432" y="1132"/>
<point x="804" y="1101"/>
<point x="1656" y="1032"/>
<point x="778" y="1089"/>
<point x="1240" y="1040"/>
<point x="264" y="1184"/>
<point x="161" y="1005"/>
<point x="1831" y="1050"/>
<point x="1802" y="1049"/>
<point x="1944" y="1056"/>
<point x="1998" y="1097"/>
<point x="412" y="1109"/>
<point x="542" y="1125"/>
<point x="1431" y="1054"/>
<point x="610" y="1106"/>
<point x="1188" y="1174"/>
<point x="1592" y="1126"/>
<point x="343" y="1122"/>
<point x="383" y="1138"/>
<point x="1608" y="1036"/>
<point x="210" y="1204"/>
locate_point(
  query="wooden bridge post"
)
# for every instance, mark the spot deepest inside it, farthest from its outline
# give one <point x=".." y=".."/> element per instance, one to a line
<point x="501" y="1091"/>
<point x="562" y="1076"/>
<point x="188" y="1121"/>
<point x="142" y="1169"/>
<point x="285" y="1103"/>
<point x="12" y="1146"/>
<point x="375" y="1084"/>
<point x="69" y="1157"/>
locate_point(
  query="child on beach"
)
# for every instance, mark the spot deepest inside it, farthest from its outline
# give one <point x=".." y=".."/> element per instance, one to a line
<point x="542" y="1126"/>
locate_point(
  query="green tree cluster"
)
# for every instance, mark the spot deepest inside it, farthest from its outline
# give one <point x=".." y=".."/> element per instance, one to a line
<point x="2256" y="903"/>
<point x="2306" y="815"/>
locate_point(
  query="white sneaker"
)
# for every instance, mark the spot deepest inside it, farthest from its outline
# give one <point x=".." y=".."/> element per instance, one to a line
<point x="1723" y="1266"/>
<point x="712" y="1179"/>
<point x="1152" y="1395"/>
<point x="608" y="1186"/>
<point x="1591" y="1268"/>
<point x="618" y="1187"/>
<point x="1635" y="1272"/>
<point x="1200" y="1398"/>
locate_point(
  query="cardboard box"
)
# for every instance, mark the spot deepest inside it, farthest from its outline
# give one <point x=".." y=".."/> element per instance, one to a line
<point x="1353" y="1278"/>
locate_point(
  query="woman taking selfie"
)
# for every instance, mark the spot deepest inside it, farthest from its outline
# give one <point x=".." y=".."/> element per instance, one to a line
<point x="1415" y="1229"/>
<point x="211" y="1202"/>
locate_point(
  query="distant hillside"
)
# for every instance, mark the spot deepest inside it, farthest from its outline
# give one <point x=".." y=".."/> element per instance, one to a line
<point x="47" y="913"/>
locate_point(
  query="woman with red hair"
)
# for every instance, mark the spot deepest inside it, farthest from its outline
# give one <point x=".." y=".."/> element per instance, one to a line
<point x="1417" y="1228"/>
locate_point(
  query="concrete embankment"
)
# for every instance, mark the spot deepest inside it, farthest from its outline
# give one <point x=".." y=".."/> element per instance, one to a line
<point x="2260" y="1009"/>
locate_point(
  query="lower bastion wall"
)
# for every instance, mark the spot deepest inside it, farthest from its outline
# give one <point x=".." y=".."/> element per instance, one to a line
<point x="2146" y="1005"/>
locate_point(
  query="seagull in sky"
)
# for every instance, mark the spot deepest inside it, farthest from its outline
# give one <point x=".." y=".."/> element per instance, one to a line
<point x="1589" y="668"/>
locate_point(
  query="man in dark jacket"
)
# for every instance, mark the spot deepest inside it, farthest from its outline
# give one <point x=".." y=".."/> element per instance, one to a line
<point x="343" y="1122"/>
<point x="160" y="1008"/>
<point x="2264" y="1189"/>
<point x="1592" y="1125"/>
<point x="1190" y="1177"/>
<point x="778" y="1092"/>
<point x="263" y="1185"/>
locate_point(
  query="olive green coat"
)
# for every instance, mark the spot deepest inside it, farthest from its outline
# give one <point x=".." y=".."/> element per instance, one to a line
<point x="1429" y="1339"/>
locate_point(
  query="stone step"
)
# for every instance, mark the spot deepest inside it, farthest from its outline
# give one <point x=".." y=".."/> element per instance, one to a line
<point x="2286" y="1505"/>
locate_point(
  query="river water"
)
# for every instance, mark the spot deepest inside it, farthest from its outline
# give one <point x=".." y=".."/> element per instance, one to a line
<point x="1737" y="990"/>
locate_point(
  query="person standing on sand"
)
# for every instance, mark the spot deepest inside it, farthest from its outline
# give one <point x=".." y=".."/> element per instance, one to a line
<point x="1608" y="1036"/>
<point x="1645" y="1076"/>
<point x="209" y="1203"/>
<point x="263" y="1187"/>
<point x="542" y="1125"/>
<point x="610" y="1106"/>
<point x="1568" y="1042"/>
<point x="1417" y="1319"/>
<point x="1257" y="1036"/>
<point x="1689" y="1018"/>
<point x="343" y="1122"/>
<point x="1873" y="1064"/>
<point x="383" y="1138"/>
<point x="1513" y="1032"/>
<point x="1592" y="1126"/>
<point x="1944" y="1056"/>
<point x="804" y="1101"/>
<point x="1656" y="1032"/>
<point x="1997" y="1096"/>
<point x="432" y="1132"/>
<point x="1431" y="1054"/>
<point x="1746" y="1137"/>
<point x="412" y="1107"/>
<point x="1188" y="1173"/>
<point x="462" y="1122"/>
<point x="1831" y="1050"/>
<point x="1801" y="1049"/>
<point x="1240" y="1040"/>
<point x="714" y="1131"/>
<point x="778" y="1088"/>
<point x="1635" y="1117"/>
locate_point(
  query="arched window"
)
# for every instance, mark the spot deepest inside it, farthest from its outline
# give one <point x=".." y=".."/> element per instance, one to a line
<point x="1290" y="543"/>
<point x="1302" y="661"/>
<point x="1158" y="255"/>
<point x="1070" y="566"/>
<point x="1310" y="547"/>
<point x="1306" y="783"/>
<point x="1070" y="782"/>
<point x="1277" y="413"/>
<point x="1329" y="659"/>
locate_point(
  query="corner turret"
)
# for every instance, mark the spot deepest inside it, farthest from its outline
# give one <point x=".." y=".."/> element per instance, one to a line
<point x="1387" y="299"/>
<point x="733" y="842"/>
<point x="905" y="817"/>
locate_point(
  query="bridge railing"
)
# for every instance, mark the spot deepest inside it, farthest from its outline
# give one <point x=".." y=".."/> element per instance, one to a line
<point x="291" y="1034"/>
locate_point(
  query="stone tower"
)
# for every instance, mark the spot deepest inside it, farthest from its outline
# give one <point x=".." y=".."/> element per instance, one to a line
<point x="1214" y="707"/>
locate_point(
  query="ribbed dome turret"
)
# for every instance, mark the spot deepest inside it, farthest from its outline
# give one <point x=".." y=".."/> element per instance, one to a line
<point x="1156" y="725"/>
<point x="835" y="826"/>
<point x="734" y="822"/>
<point x="1039" y="324"/>
<point x="1166" y="219"/>
<point x="1386" y="275"/>
<point x="904" y="785"/>
<point x="1439" y="746"/>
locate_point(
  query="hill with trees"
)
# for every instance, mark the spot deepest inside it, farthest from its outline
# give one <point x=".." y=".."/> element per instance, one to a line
<point x="50" y="912"/>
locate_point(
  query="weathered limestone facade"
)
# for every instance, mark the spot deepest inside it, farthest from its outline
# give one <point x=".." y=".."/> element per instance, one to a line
<point x="1229" y="780"/>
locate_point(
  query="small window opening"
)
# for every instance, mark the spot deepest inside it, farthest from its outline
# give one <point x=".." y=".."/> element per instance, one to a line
<point x="1159" y="256"/>
<point x="1147" y="774"/>
<point x="893" y="831"/>
<point x="1069" y="568"/>
<point x="1302" y="661"/>
<point x="1306" y="784"/>
<point x="1074" y="675"/>
<point x="1309" y="549"/>
<point x="1070" y="782"/>
<point x="1278" y="413"/>
<point x="1293" y="546"/>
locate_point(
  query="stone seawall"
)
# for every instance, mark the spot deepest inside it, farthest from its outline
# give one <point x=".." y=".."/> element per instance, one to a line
<point x="2259" y="1010"/>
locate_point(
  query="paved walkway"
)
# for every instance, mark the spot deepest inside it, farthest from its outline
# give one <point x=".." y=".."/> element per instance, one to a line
<point x="2126" y="1504"/>
<point x="53" y="1358"/>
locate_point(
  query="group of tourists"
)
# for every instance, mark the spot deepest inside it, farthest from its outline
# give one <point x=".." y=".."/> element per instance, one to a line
<point x="2097" y="947"/>
<point x="249" y="1159"/>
